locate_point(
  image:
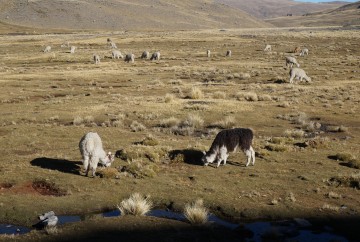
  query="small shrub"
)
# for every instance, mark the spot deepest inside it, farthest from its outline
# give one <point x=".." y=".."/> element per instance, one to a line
<point x="169" y="98"/>
<point x="194" y="121"/>
<point x="150" y="141"/>
<point x="291" y="197"/>
<point x="345" y="157"/>
<point x="78" y="120"/>
<point x="251" y="97"/>
<point x="196" y="213"/>
<point x="295" y="133"/>
<point x="330" y="207"/>
<point x="244" y="76"/>
<point x="227" y="123"/>
<point x="196" y="93"/>
<point x="169" y="122"/>
<point x="352" y="181"/>
<point x="219" y="95"/>
<point x="136" y="205"/>
<point x="333" y="195"/>
<point x="135" y="126"/>
<point x="277" y="148"/>
<point x="264" y="97"/>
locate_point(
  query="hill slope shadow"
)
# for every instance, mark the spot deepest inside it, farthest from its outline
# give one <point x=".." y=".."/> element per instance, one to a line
<point x="65" y="166"/>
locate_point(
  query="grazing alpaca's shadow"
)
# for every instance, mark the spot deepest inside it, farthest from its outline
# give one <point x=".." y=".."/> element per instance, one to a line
<point x="66" y="166"/>
<point x="189" y="156"/>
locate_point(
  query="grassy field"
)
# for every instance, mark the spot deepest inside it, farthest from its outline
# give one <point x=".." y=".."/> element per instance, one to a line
<point x="160" y="116"/>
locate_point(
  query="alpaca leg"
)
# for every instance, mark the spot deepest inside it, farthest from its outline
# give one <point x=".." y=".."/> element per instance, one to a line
<point x="86" y="164"/>
<point x="225" y="159"/>
<point x="93" y="165"/>
<point x="252" y="155"/>
<point x="248" y="155"/>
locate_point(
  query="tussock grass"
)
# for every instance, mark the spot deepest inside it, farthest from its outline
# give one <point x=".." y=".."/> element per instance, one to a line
<point x="219" y="95"/>
<point x="196" y="93"/>
<point x="136" y="204"/>
<point x="194" y="121"/>
<point x="51" y="230"/>
<point x="294" y="133"/>
<point x="169" y="122"/>
<point x="227" y="123"/>
<point x="136" y="126"/>
<point x="251" y="97"/>
<point x="329" y="207"/>
<point x="352" y="180"/>
<point x="150" y="141"/>
<point x="264" y="97"/>
<point x="196" y="213"/>
<point x="169" y="98"/>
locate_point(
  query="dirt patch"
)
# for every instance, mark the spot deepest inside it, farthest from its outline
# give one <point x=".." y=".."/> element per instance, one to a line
<point x="46" y="188"/>
<point x="6" y="185"/>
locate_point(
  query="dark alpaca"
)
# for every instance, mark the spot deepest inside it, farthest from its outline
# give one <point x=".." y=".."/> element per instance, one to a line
<point x="228" y="141"/>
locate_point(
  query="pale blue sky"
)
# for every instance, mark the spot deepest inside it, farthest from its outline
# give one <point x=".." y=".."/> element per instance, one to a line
<point x="317" y="1"/>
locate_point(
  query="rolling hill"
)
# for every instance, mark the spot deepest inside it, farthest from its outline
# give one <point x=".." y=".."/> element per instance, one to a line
<point x="126" y="14"/>
<point x="342" y="16"/>
<point x="264" y="9"/>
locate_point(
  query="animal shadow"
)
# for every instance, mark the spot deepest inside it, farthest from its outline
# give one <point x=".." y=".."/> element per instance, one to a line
<point x="189" y="156"/>
<point x="65" y="166"/>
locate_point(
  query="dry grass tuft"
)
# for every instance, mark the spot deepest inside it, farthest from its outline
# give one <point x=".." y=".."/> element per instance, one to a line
<point x="150" y="141"/>
<point x="169" y="122"/>
<point x="333" y="195"/>
<point x="196" y="213"/>
<point x="169" y="98"/>
<point x="264" y="97"/>
<point x="196" y="93"/>
<point x="194" y="121"/>
<point x="135" y="126"/>
<point x="294" y="133"/>
<point x="251" y="97"/>
<point x="51" y="230"/>
<point x="227" y="123"/>
<point x="219" y="95"/>
<point x="330" y="207"/>
<point x="136" y="205"/>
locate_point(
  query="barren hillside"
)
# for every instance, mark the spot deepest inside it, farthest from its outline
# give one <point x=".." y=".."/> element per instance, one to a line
<point x="342" y="16"/>
<point x="277" y="8"/>
<point x="125" y="14"/>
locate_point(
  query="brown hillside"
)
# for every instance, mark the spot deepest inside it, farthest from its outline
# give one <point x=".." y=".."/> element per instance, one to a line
<point x="125" y="14"/>
<point x="342" y="16"/>
<point x="276" y="8"/>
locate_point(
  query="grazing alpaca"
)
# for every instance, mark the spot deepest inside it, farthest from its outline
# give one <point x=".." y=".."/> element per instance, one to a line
<point x="229" y="140"/>
<point x="92" y="152"/>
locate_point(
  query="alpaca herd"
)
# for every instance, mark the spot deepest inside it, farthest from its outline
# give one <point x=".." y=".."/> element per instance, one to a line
<point x="290" y="61"/>
<point x="226" y="141"/>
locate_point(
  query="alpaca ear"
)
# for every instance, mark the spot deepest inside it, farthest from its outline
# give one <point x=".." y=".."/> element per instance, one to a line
<point x="204" y="152"/>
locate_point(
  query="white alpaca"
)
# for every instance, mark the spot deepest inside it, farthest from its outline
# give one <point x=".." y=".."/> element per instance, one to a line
<point x="113" y="45"/>
<point x="116" y="54"/>
<point x="47" y="49"/>
<point x="92" y="153"/>
<point x="96" y="59"/>
<point x="290" y="61"/>
<point x="267" y="48"/>
<point x="208" y="53"/>
<point x="228" y="141"/>
<point x="155" y="56"/>
<point x="72" y="49"/>
<point x="299" y="74"/>
<point x="304" y="52"/>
